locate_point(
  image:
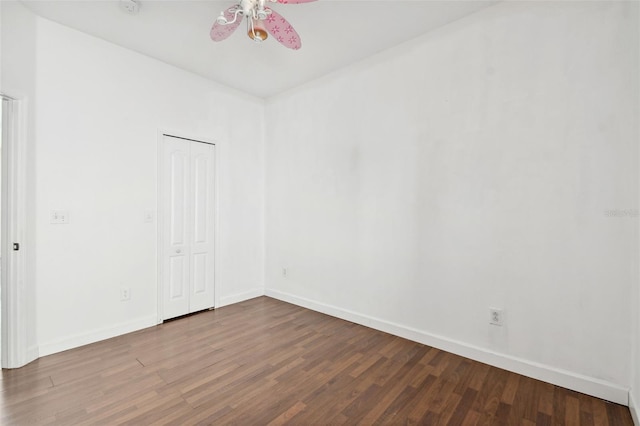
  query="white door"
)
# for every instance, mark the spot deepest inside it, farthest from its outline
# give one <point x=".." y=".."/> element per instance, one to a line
<point x="187" y="194"/>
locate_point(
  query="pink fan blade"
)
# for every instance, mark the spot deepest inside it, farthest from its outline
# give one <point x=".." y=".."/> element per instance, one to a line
<point x="294" y="1"/>
<point x="282" y="31"/>
<point x="221" y="32"/>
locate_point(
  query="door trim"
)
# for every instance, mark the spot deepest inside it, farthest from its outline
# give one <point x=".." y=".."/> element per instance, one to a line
<point x="160" y="214"/>
<point x="14" y="308"/>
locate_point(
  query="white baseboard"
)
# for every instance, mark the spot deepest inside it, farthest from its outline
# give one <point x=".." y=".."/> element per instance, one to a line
<point x="634" y="408"/>
<point x="96" y="335"/>
<point x="241" y="297"/>
<point x="567" y="379"/>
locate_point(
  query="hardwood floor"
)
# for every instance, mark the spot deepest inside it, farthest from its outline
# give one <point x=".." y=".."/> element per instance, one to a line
<point x="265" y="362"/>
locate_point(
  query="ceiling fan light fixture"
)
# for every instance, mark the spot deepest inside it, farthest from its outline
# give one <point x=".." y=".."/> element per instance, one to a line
<point x="256" y="30"/>
<point x="222" y="20"/>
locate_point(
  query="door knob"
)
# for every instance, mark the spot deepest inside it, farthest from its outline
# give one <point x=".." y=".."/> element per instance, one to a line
<point x="178" y="251"/>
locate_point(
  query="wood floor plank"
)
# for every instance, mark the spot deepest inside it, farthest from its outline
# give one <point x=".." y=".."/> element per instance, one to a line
<point x="399" y="392"/>
<point x="288" y="414"/>
<point x="600" y="413"/>
<point x="431" y="400"/>
<point x="263" y="361"/>
<point x="329" y="399"/>
<point x="510" y="389"/>
<point x="449" y="408"/>
<point x="461" y="412"/>
<point x="525" y="402"/>
<point x="488" y="399"/>
<point x="472" y="418"/>
<point x="572" y="411"/>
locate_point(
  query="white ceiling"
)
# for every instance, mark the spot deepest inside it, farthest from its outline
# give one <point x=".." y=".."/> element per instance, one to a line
<point x="334" y="33"/>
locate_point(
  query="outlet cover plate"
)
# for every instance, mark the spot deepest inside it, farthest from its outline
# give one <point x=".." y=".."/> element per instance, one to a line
<point x="496" y="316"/>
<point x="125" y="294"/>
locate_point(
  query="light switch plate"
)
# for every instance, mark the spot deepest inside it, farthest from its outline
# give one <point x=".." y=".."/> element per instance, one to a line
<point x="59" y="217"/>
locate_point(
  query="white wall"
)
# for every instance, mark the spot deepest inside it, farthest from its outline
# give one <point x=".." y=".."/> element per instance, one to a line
<point x="99" y="108"/>
<point x="466" y="169"/>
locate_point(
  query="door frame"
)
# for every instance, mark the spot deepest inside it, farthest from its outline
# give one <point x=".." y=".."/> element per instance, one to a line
<point x="14" y="305"/>
<point x="160" y="216"/>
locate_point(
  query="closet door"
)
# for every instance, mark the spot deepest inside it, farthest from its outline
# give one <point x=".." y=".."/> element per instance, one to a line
<point x="202" y="214"/>
<point x="187" y="194"/>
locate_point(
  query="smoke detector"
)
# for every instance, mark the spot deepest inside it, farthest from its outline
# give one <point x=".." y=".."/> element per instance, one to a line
<point x="132" y="7"/>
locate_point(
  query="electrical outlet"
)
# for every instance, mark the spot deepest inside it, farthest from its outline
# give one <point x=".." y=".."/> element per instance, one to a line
<point x="284" y="272"/>
<point x="496" y="316"/>
<point x="125" y="294"/>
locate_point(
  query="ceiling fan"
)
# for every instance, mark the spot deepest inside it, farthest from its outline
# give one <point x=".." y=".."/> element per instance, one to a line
<point x="260" y="21"/>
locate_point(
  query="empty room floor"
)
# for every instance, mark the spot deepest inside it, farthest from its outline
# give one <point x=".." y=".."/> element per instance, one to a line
<point x="264" y="361"/>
